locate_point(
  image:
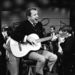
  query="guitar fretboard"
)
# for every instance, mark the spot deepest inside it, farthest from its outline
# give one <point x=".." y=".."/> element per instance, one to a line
<point x="44" y="39"/>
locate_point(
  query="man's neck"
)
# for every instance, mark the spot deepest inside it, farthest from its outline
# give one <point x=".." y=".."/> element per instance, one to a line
<point x="32" y="22"/>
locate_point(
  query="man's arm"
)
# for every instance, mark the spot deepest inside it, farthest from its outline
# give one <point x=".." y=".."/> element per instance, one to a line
<point x="18" y="33"/>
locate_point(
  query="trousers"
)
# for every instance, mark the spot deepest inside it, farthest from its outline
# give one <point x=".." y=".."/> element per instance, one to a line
<point x="41" y="59"/>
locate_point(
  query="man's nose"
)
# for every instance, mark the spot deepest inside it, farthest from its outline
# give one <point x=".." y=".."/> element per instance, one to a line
<point x="37" y="16"/>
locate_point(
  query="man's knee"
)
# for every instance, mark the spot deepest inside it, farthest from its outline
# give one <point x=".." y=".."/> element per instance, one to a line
<point x="55" y="57"/>
<point x="42" y="59"/>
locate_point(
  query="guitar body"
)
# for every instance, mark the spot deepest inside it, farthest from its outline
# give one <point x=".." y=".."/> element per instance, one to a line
<point x="20" y="50"/>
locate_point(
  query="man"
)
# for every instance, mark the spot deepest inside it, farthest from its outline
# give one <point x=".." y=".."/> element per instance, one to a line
<point x="32" y="25"/>
<point x="2" y="56"/>
<point x="12" y="61"/>
<point x="67" y="48"/>
<point x="53" y="41"/>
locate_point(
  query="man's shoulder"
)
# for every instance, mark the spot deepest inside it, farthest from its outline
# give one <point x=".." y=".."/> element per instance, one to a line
<point x="24" y="22"/>
<point x="21" y="22"/>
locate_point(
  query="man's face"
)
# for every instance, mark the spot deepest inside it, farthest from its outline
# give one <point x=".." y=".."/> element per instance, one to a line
<point x="52" y="30"/>
<point x="60" y="31"/>
<point x="4" y="33"/>
<point x="34" y="16"/>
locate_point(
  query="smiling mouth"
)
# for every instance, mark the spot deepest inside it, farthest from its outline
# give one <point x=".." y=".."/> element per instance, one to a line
<point x="36" y="18"/>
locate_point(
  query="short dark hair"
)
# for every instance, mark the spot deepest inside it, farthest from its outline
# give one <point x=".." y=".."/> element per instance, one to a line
<point x="4" y="28"/>
<point x="66" y="28"/>
<point x="28" y="11"/>
<point x="52" y="27"/>
<point x="8" y="29"/>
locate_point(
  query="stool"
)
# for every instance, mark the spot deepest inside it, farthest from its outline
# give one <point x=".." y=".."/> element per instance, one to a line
<point x="28" y="67"/>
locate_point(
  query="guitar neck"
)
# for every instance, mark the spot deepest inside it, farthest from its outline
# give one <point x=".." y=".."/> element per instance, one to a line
<point x="44" y="39"/>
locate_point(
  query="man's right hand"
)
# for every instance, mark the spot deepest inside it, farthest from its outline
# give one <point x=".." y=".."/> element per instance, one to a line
<point x="54" y="38"/>
<point x="31" y="40"/>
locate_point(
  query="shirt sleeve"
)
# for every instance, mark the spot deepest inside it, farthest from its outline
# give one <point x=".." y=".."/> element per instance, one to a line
<point x="18" y="33"/>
